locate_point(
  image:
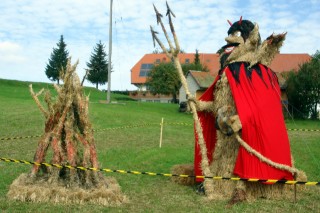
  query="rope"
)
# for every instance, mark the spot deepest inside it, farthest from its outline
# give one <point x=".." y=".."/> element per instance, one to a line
<point x="264" y="159"/>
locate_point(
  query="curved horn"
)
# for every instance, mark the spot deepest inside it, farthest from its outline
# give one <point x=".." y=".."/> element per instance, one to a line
<point x="240" y="21"/>
<point x="229" y="22"/>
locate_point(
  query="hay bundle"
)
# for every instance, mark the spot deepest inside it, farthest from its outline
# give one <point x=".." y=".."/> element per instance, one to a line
<point x="183" y="169"/>
<point x="107" y="192"/>
<point x="69" y="134"/>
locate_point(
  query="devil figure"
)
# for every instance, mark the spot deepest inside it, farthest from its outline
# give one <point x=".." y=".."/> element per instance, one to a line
<point x="244" y="100"/>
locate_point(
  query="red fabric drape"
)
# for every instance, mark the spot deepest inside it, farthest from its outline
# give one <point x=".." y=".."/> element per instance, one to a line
<point x="207" y="122"/>
<point x="258" y="104"/>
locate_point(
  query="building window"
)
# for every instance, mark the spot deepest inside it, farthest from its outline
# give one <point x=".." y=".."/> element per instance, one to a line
<point x="157" y="61"/>
<point x="145" y="69"/>
<point x="187" y="61"/>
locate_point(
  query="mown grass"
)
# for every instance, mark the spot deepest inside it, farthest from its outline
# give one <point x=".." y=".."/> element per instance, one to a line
<point x="137" y="148"/>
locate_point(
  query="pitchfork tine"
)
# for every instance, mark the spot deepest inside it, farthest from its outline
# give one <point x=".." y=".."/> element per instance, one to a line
<point x="159" y="20"/>
<point x="155" y="38"/>
<point x="169" y="13"/>
<point x="169" y="10"/>
<point x="159" y="15"/>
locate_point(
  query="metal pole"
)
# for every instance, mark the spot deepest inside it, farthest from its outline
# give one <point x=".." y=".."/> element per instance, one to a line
<point x="110" y="51"/>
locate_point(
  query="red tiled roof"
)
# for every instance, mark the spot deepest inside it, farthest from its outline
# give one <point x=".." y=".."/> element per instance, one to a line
<point x="288" y="62"/>
<point x="281" y="63"/>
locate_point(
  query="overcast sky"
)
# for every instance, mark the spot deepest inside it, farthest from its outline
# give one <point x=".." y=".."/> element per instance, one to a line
<point x="30" y="29"/>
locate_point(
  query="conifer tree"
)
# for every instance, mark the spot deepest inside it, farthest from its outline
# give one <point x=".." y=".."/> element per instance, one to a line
<point x="57" y="61"/>
<point x="197" y="58"/>
<point x="98" y="66"/>
<point x="196" y="65"/>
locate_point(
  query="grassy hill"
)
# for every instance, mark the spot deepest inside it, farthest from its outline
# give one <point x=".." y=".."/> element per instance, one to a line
<point x="128" y="139"/>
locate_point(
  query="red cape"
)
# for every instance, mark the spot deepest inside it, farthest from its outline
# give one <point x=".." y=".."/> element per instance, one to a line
<point x="258" y="103"/>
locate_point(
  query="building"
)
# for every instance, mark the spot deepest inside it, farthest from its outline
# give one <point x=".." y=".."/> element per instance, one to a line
<point x="197" y="80"/>
<point x="139" y="71"/>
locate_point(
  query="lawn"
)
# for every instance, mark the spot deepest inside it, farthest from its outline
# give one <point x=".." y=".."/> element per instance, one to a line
<point x="127" y="138"/>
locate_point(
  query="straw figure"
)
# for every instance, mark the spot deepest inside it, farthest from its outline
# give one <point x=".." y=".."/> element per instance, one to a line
<point x="69" y="134"/>
<point x="242" y="120"/>
<point x="239" y="126"/>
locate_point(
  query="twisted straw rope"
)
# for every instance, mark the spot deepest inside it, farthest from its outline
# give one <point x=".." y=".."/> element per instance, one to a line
<point x="264" y="159"/>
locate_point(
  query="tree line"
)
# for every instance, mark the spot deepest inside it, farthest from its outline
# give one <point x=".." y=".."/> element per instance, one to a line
<point x="97" y="67"/>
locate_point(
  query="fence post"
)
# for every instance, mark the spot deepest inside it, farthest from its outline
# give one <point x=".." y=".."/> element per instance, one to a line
<point x="161" y="129"/>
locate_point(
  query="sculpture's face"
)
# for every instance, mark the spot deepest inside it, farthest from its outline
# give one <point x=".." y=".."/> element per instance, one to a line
<point x="243" y="39"/>
<point x="235" y="46"/>
<point x="233" y="41"/>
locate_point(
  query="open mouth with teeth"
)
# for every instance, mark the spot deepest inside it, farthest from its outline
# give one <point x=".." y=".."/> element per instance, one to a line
<point x="229" y="47"/>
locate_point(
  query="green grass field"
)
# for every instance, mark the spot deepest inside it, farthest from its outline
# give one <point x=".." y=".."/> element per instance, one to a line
<point x="137" y="148"/>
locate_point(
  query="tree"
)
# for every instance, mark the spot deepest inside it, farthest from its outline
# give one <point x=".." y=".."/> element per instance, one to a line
<point x="164" y="79"/>
<point x="197" y="57"/>
<point x="58" y="61"/>
<point x="98" y="66"/>
<point x="303" y="89"/>
<point x="196" y="65"/>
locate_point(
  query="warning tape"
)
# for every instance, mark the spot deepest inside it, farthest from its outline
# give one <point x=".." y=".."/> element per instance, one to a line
<point x="138" y="125"/>
<point x="178" y="124"/>
<point x="97" y="130"/>
<point x="124" y="127"/>
<point x="271" y="181"/>
<point x="305" y="130"/>
<point x="191" y="124"/>
<point x="19" y="137"/>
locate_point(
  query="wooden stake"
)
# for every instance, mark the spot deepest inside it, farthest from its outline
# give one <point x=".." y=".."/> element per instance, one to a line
<point x="161" y="129"/>
<point x="295" y="187"/>
<point x="295" y="193"/>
